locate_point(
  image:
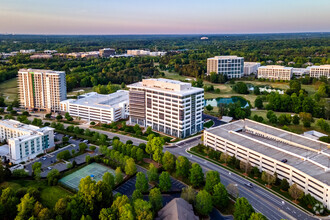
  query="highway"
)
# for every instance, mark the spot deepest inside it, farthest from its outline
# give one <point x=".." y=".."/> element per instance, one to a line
<point x="270" y="205"/>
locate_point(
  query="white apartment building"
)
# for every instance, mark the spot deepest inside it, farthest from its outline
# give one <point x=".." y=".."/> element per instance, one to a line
<point x="25" y="141"/>
<point x="41" y="90"/>
<point x="319" y="71"/>
<point x="231" y="66"/>
<point x="275" y="72"/>
<point x="145" y="53"/>
<point x="251" y="68"/>
<point x="168" y="106"/>
<point x="97" y="107"/>
<point x="297" y="158"/>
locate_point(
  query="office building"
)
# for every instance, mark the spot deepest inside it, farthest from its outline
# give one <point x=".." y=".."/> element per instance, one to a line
<point x="40" y="56"/>
<point x="319" y="71"/>
<point x="300" y="72"/>
<point x="41" y="90"/>
<point x="275" y="72"/>
<point x="231" y="66"/>
<point x="107" y="52"/>
<point x="27" y="51"/>
<point x="168" y="106"/>
<point x="97" y="107"/>
<point x="145" y="53"/>
<point x="251" y="68"/>
<point x="25" y="141"/>
<point x="299" y="159"/>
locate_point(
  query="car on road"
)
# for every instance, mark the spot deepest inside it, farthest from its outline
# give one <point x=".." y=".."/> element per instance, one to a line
<point x="248" y="185"/>
<point x="44" y="158"/>
<point x="85" y="141"/>
<point x="49" y="168"/>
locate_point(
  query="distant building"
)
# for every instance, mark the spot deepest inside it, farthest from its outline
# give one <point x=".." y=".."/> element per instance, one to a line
<point x="275" y="72"/>
<point x="204" y="38"/>
<point x="319" y="71"/>
<point x="291" y="63"/>
<point x="308" y="64"/>
<point x="50" y="51"/>
<point x="145" y="53"/>
<point x="41" y="89"/>
<point x="27" y="51"/>
<point x="40" y="56"/>
<point x="280" y="62"/>
<point x="177" y="209"/>
<point x="251" y="68"/>
<point x="25" y="141"/>
<point x="300" y="72"/>
<point x="97" y="107"/>
<point x="107" y="52"/>
<point x="168" y="106"/>
<point x="269" y="61"/>
<point x="231" y="66"/>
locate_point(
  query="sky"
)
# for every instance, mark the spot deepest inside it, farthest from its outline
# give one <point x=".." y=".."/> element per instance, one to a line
<point x="163" y="16"/>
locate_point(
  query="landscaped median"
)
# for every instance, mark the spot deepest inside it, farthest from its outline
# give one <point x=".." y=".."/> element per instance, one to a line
<point x="256" y="181"/>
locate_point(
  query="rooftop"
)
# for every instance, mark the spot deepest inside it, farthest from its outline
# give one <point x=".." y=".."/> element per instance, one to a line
<point x="95" y="100"/>
<point x="40" y="71"/>
<point x="321" y="66"/>
<point x="305" y="154"/>
<point x="226" y="57"/>
<point x="275" y="67"/>
<point x="177" y="208"/>
<point x="167" y="85"/>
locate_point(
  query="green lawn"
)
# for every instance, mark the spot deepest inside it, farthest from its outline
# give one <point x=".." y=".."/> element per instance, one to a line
<point x="9" y="90"/>
<point x="49" y="194"/>
<point x="80" y="91"/>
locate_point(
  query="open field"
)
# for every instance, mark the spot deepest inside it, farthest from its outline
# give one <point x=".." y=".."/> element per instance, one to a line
<point x="80" y="90"/>
<point x="49" y="194"/>
<point x="9" y="90"/>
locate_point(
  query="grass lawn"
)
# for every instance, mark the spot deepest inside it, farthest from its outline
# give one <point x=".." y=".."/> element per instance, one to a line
<point x="176" y="76"/>
<point x="80" y="90"/>
<point x="9" y="90"/>
<point x="49" y="194"/>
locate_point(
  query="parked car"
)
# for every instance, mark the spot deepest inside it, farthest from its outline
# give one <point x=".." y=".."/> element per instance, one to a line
<point x="43" y="158"/>
<point x="284" y="160"/>
<point x="49" y="168"/>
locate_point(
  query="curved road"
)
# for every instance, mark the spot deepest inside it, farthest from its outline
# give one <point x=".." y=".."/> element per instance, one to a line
<point x="270" y="205"/>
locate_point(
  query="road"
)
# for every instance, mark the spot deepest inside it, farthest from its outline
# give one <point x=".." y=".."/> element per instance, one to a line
<point x="216" y="120"/>
<point x="270" y="205"/>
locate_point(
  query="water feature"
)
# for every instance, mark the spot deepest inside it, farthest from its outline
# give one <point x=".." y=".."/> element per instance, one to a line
<point x="215" y="102"/>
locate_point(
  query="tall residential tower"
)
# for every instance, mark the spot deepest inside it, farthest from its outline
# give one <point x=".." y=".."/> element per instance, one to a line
<point x="41" y="90"/>
<point x="168" y="106"/>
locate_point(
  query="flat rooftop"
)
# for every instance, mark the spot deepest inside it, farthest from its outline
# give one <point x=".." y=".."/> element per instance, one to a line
<point x="167" y="85"/>
<point x="276" y="67"/>
<point x="12" y="124"/>
<point x="226" y="57"/>
<point x="96" y="100"/>
<point x="305" y="154"/>
<point x="40" y="71"/>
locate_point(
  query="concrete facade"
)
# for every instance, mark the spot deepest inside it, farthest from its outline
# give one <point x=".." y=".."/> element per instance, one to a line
<point x="275" y="72"/>
<point x="231" y="66"/>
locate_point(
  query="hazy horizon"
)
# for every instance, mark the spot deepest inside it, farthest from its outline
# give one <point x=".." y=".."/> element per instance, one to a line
<point x="173" y="17"/>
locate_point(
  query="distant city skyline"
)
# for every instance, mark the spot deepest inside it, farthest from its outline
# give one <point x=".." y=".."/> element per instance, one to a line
<point x="163" y="17"/>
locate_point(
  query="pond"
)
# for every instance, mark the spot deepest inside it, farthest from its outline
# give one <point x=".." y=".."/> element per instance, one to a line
<point x="233" y="99"/>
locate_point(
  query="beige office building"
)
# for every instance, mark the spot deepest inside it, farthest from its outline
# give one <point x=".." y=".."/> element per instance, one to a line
<point x="299" y="159"/>
<point x="275" y="72"/>
<point x="231" y="66"/>
<point x="319" y="71"/>
<point x="41" y="90"/>
<point x="168" y="106"/>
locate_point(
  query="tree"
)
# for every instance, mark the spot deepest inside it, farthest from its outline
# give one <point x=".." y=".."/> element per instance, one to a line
<point x="152" y="173"/>
<point x="44" y="214"/>
<point x="204" y="202"/>
<point x="143" y="210"/>
<point x="36" y="167"/>
<point x="82" y="147"/>
<point x="64" y="155"/>
<point x="155" y="199"/>
<point x="267" y="177"/>
<point x="137" y="195"/>
<point x="224" y="157"/>
<point x="257" y="216"/>
<point x="256" y="90"/>
<point x="245" y="166"/>
<point x="89" y="193"/>
<point x="109" y="179"/>
<point x="158" y="154"/>
<point x="92" y="148"/>
<point x="220" y="196"/>
<point x="168" y="161"/>
<point x="243" y="209"/>
<point x="107" y="214"/>
<point x="130" y="168"/>
<point x="59" y="117"/>
<point x="232" y="190"/>
<point x="196" y="175"/>
<point x="65" y="140"/>
<point x="295" y="120"/>
<point x="323" y="124"/>
<point x="295" y="192"/>
<point x="61" y="206"/>
<point x="284" y="185"/>
<point x="258" y="103"/>
<point x="209" y="107"/>
<point x="284" y="119"/>
<point x="182" y="167"/>
<point x="165" y="182"/>
<point x="306" y="118"/>
<point x="26" y="206"/>
<point x="139" y="154"/>
<point x="49" y="115"/>
<point x="188" y="194"/>
<point x="126" y="212"/>
<point x="241" y="88"/>
<point x="118" y="175"/>
<point x="212" y="179"/>
<point x="148" y="131"/>
<point x="52" y="177"/>
<point x="141" y="183"/>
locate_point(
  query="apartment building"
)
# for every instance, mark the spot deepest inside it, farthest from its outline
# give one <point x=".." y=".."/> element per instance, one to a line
<point x="41" y="90"/>
<point x="251" y="68"/>
<point x="297" y="158"/>
<point x="107" y="52"/>
<point x="275" y="72"/>
<point x="231" y="66"/>
<point x="319" y="71"/>
<point x="97" y="107"/>
<point x="168" y="106"/>
<point x="25" y="141"/>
